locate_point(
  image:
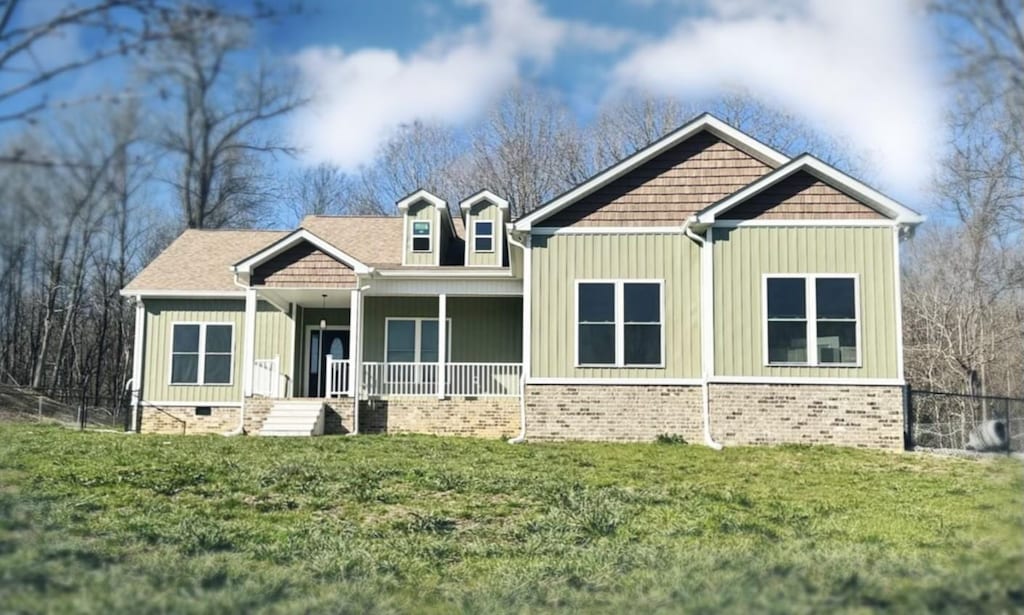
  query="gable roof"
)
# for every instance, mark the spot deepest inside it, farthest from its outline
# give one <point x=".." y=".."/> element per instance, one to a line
<point x="200" y="261"/>
<point x="826" y="173"/>
<point x="705" y="122"/>
<point x="483" y="195"/>
<point x="246" y="265"/>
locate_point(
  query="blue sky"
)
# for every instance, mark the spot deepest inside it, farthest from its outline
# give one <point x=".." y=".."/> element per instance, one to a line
<point x="868" y="73"/>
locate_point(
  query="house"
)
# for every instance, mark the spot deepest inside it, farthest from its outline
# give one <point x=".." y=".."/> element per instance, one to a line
<point x="707" y="286"/>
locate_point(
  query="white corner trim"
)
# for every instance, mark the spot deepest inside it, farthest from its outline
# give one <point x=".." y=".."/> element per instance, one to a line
<point x="422" y="195"/>
<point x="706" y="121"/>
<point x="246" y="266"/>
<point x="483" y="195"/>
<point x="827" y="173"/>
<point x="806" y="380"/>
<point x="616" y="381"/>
<point x="898" y="294"/>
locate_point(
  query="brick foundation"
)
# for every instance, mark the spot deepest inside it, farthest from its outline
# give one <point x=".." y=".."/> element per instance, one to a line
<point x="482" y="417"/>
<point x="858" y="416"/>
<point x="622" y="413"/>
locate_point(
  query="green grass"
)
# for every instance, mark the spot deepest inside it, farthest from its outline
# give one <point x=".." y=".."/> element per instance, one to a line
<point x="93" y="522"/>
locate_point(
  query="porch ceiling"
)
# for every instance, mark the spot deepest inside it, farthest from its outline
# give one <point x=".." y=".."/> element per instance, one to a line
<point x="308" y="297"/>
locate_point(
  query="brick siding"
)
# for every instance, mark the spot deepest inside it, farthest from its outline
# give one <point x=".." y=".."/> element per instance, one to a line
<point x="482" y="417"/>
<point x="858" y="416"/>
<point x="622" y="413"/>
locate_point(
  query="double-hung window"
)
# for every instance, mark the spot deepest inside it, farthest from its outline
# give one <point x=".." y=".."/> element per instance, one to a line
<point x="413" y="340"/>
<point x="201" y="353"/>
<point x="421" y="236"/>
<point x="811" y="320"/>
<point x="483" y="236"/>
<point x="619" y="323"/>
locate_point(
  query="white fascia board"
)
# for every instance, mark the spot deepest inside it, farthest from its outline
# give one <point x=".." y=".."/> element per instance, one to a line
<point x="707" y="122"/>
<point x="183" y="294"/>
<point x="422" y="195"/>
<point x="828" y="174"/>
<point x="246" y="266"/>
<point x="483" y="195"/>
<point x="608" y="230"/>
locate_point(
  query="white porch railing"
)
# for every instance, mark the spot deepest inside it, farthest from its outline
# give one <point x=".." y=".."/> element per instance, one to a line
<point x="399" y="379"/>
<point x="265" y="377"/>
<point x="338" y="380"/>
<point x="461" y="379"/>
<point x="483" y="379"/>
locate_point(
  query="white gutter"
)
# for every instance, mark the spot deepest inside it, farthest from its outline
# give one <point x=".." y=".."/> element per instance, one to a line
<point x="706" y="327"/>
<point x="526" y="332"/>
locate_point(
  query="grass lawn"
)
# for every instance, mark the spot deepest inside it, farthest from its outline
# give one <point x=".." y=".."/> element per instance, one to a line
<point x="100" y="522"/>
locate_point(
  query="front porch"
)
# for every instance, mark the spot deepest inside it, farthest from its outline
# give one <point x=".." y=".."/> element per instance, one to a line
<point x="330" y="343"/>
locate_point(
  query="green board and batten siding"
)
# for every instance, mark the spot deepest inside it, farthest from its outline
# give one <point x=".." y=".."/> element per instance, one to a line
<point x="485" y="210"/>
<point x="559" y="260"/>
<point x="160" y="315"/>
<point x="273" y="339"/>
<point x="483" y="329"/>
<point x="424" y="212"/>
<point x="742" y="257"/>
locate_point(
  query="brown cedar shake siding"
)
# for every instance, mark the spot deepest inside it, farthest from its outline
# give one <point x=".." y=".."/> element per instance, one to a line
<point x="666" y="190"/>
<point x="802" y="197"/>
<point x="303" y="266"/>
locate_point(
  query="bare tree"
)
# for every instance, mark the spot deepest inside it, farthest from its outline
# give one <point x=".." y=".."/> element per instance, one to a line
<point x="220" y="136"/>
<point x="636" y="120"/>
<point x="964" y="308"/>
<point x="528" y="149"/>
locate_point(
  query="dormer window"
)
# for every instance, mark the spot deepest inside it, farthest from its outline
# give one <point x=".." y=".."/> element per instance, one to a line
<point x="483" y="236"/>
<point x="421" y="236"/>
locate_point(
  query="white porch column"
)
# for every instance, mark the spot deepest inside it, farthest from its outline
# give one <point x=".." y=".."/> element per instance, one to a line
<point x="442" y="347"/>
<point x="140" y="336"/>
<point x="249" y="347"/>
<point x="354" y="335"/>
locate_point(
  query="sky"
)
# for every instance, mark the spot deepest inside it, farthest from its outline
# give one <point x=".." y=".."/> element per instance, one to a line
<point x="867" y="73"/>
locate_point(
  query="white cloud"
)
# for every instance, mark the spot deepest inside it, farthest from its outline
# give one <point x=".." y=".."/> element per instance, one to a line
<point x="860" y="70"/>
<point x="360" y="97"/>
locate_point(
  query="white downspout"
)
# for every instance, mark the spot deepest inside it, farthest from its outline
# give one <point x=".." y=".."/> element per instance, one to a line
<point x="526" y="332"/>
<point x="706" y="328"/>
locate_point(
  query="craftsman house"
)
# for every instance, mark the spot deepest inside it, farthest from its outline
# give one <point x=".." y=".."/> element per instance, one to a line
<point x="706" y="286"/>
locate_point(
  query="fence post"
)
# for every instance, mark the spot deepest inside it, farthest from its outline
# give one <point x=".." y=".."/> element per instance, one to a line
<point x="40" y="408"/>
<point x="907" y="418"/>
<point x="1006" y="421"/>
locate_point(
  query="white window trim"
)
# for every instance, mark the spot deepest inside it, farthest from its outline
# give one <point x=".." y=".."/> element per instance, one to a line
<point x="418" y="337"/>
<point x="201" y="368"/>
<point x="810" y="297"/>
<point x="474" y="235"/>
<point x="620" y="324"/>
<point x="429" y="236"/>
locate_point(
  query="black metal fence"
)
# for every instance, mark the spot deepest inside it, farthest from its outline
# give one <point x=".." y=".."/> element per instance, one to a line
<point x="941" y="420"/>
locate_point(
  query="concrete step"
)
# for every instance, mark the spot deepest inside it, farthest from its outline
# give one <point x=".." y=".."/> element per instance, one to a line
<point x="294" y="418"/>
<point x="282" y="433"/>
